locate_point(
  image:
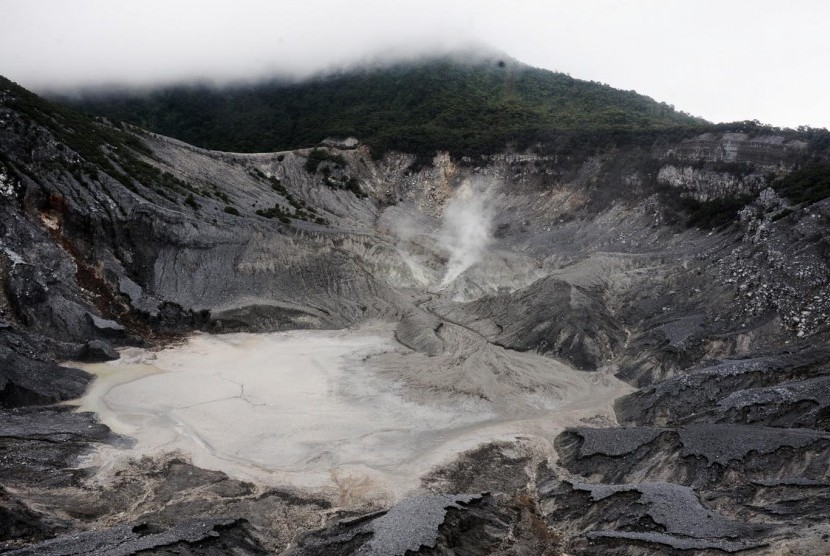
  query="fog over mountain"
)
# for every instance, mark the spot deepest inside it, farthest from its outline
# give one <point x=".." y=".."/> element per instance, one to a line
<point x="720" y="61"/>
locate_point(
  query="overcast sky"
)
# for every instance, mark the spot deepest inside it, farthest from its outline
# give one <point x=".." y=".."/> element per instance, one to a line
<point x="723" y="60"/>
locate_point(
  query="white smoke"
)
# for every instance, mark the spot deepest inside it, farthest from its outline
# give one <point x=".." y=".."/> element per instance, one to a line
<point x="467" y="229"/>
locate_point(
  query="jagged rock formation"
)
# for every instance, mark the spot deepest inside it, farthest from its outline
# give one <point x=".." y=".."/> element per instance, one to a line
<point x="192" y="536"/>
<point x="110" y="236"/>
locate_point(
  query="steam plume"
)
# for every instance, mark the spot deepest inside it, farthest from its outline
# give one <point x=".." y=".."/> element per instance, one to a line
<point x="467" y="230"/>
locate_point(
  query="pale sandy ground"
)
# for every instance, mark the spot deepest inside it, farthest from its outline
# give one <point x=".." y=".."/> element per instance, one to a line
<point x="303" y="408"/>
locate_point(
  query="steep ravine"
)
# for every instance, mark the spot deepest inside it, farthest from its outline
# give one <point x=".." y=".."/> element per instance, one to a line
<point x="585" y="262"/>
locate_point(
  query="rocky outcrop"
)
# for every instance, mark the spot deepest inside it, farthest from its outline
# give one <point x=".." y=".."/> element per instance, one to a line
<point x="26" y="380"/>
<point x="583" y="333"/>
<point x="707" y="185"/>
<point x="190" y="537"/>
<point x="658" y="517"/>
<point x="403" y="529"/>
<point x="760" y="150"/>
<point x="737" y="391"/>
<point x="701" y="456"/>
<point x="742" y="439"/>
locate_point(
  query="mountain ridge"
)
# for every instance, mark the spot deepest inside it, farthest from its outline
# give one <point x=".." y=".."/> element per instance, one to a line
<point x="439" y="103"/>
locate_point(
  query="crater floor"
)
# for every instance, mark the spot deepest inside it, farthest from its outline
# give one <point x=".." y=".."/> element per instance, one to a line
<point x="307" y="407"/>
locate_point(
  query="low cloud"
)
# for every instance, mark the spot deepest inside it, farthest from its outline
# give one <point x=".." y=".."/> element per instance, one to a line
<point x="61" y="45"/>
<point x="50" y="45"/>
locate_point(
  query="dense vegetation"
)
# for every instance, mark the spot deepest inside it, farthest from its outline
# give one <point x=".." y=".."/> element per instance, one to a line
<point x="465" y="108"/>
<point x="807" y="185"/>
<point x="710" y="214"/>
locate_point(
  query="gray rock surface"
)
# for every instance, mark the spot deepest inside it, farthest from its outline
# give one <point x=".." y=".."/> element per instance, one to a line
<point x="701" y="455"/>
<point x="583" y="333"/>
<point x="657" y="514"/>
<point x="209" y="535"/>
<point x="701" y="393"/>
<point x="615" y="442"/>
<point x="403" y="529"/>
<point x="725" y="443"/>
<point x="99" y="350"/>
<point x="24" y="380"/>
<point x="662" y="541"/>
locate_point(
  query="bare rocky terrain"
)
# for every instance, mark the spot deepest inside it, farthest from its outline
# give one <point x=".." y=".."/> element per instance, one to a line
<point x="481" y="268"/>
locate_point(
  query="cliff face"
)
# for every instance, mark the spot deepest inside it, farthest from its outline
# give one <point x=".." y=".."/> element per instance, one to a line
<point x="111" y="236"/>
<point x="763" y="152"/>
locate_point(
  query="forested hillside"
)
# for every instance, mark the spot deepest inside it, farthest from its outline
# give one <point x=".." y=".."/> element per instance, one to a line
<point x="440" y="103"/>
